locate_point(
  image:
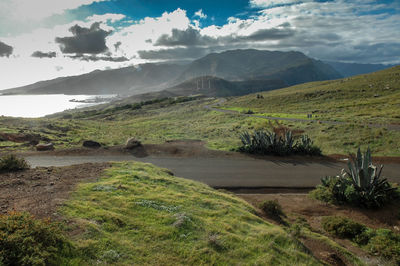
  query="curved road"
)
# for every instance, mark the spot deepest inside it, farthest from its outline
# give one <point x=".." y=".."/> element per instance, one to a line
<point x="243" y="172"/>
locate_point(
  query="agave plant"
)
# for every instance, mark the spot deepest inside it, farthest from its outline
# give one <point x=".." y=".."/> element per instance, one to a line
<point x="371" y="189"/>
<point x="305" y="141"/>
<point x="362" y="171"/>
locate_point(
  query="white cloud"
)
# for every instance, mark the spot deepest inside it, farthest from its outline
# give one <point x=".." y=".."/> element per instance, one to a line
<point x="271" y="3"/>
<point x="109" y="17"/>
<point x="200" y="14"/>
<point x="136" y="36"/>
<point x="39" y="9"/>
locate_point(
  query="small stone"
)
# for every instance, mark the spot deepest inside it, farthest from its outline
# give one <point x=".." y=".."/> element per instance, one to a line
<point x="45" y="147"/>
<point x="132" y="143"/>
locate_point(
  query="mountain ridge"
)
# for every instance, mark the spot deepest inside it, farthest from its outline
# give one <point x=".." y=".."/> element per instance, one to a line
<point x="233" y="65"/>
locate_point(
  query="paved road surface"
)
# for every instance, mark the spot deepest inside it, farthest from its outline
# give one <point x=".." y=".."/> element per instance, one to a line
<point x="227" y="172"/>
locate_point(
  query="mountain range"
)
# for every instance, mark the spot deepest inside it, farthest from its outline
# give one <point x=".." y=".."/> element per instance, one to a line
<point x="234" y="72"/>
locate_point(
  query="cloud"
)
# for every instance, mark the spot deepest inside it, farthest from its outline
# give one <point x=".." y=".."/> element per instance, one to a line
<point x="39" y="9"/>
<point x="5" y="50"/>
<point x="188" y="37"/>
<point x="99" y="58"/>
<point x="40" y="54"/>
<point x="117" y="45"/>
<point x="272" y="3"/>
<point x="174" y="54"/>
<point x="109" y="17"/>
<point x="84" y="40"/>
<point x="266" y="34"/>
<point x="200" y="14"/>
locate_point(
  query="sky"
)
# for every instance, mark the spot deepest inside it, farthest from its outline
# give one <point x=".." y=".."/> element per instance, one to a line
<point x="45" y="39"/>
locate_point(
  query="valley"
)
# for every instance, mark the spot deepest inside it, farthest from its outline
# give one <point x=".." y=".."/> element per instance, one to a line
<point x="194" y="128"/>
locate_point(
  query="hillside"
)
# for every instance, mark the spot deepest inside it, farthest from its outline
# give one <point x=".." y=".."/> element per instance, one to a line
<point x="130" y="80"/>
<point x="217" y="87"/>
<point x="238" y="65"/>
<point x="352" y="69"/>
<point x="369" y="98"/>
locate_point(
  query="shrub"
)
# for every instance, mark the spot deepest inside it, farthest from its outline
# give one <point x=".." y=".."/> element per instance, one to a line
<point x="382" y="242"/>
<point x="27" y="241"/>
<point x="386" y="244"/>
<point x="342" y="227"/>
<point x="273" y="210"/>
<point x="265" y="142"/>
<point x="249" y="112"/>
<point x="11" y="163"/>
<point x="360" y="186"/>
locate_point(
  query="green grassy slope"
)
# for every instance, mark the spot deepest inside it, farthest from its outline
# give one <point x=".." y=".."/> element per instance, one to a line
<point x="155" y="123"/>
<point x="140" y="214"/>
<point x="357" y="101"/>
<point x="370" y="98"/>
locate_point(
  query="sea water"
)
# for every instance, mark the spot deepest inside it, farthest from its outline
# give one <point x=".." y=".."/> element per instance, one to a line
<point x="41" y="105"/>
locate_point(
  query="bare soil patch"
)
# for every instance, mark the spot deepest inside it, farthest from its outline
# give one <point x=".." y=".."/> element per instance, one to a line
<point x="42" y="190"/>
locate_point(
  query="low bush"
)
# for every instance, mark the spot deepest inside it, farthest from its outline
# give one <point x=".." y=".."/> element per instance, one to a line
<point x="382" y="242"/>
<point x="361" y="186"/>
<point x="386" y="244"/>
<point x="28" y="241"/>
<point x="273" y="210"/>
<point x="342" y="227"/>
<point x="11" y="163"/>
<point x="265" y="142"/>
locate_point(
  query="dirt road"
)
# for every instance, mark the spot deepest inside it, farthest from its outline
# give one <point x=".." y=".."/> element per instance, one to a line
<point x="226" y="171"/>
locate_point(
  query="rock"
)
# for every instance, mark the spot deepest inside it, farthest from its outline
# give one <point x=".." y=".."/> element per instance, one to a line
<point x="132" y="143"/>
<point x="91" y="144"/>
<point x="45" y="147"/>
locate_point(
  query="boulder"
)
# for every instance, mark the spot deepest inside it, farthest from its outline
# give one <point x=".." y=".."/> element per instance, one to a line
<point x="91" y="144"/>
<point x="45" y="147"/>
<point x="132" y="143"/>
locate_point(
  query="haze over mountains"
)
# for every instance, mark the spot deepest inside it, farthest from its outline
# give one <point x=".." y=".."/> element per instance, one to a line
<point x="234" y="72"/>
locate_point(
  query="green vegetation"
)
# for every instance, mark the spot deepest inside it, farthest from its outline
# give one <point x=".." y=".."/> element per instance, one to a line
<point x="344" y="228"/>
<point x="28" y="241"/>
<point x="381" y="242"/>
<point x="162" y="102"/>
<point x="273" y="210"/>
<point x="360" y="186"/>
<point x="356" y="101"/>
<point x="140" y="214"/>
<point x="155" y="123"/>
<point x="11" y="163"/>
<point x="265" y="142"/>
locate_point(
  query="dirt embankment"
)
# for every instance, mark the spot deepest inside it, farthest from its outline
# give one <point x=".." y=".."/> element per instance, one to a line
<point x="42" y="190"/>
<point x="301" y="206"/>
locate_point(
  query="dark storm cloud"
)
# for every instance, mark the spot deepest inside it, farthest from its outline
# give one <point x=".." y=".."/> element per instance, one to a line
<point x="40" y="54"/>
<point x="267" y="34"/>
<point x="84" y="40"/>
<point x="5" y="50"/>
<point x="375" y="53"/>
<point x="117" y="45"/>
<point x="188" y="37"/>
<point x="192" y="37"/>
<point x="99" y="58"/>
